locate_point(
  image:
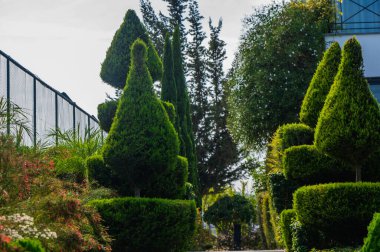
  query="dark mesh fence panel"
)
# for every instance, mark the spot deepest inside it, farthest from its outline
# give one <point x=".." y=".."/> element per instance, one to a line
<point x="45" y="113"/>
<point x="3" y="76"/>
<point x="21" y="93"/>
<point x="65" y="115"/>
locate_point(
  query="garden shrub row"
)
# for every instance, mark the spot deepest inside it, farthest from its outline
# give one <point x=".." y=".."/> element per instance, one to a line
<point x="146" y="224"/>
<point x="268" y="232"/>
<point x="372" y="242"/>
<point x="281" y="191"/>
<point x="342" y="211"/>
<point x="286" y="219"/>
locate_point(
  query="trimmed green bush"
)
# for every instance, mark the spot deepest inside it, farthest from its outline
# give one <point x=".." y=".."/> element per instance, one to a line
<point x="142" y="142"/>
<point x="170" y="184"/>
<point x="342" y="211"/>
<point x="116" y="65"/>
<point x="372" y="242"/>
<point x="349" y="125"/>
<point x="306" y="165"/>
<point x="281" y="191"/>
<point x="144" y="224"/>
<point x="72" y="169"/>
<point x="320" y="86"/>
<point x="286" y="136"/>
<point x="106" y="113"/>
<point x="170" y="110"/>
<point x="286" y="218"/>
<point x="97" y="170"/>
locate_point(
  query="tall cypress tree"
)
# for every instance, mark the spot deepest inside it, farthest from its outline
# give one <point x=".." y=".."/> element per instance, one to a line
<point x="169" y="87"/>
<point x="199" y="92"/>
<point x="115" y="67"/>
<point x="220" y="169"/>
<point x="155" y="27"/>
<point x="142" y="143"/>
<point x="349" y="125"/>
<point x="183" y="110"/>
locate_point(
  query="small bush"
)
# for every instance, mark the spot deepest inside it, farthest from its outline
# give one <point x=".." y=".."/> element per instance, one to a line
<point x="286" y="136"/>
<point x="342" y="211"/>
<point x="106" y="113"/>
<point x="286" y="218"/>
<point x="72" y="169"/>
<point x="372" y="242"/>
<point x="29" y="245"/>
<point x="306" y="165"/>
<point x="145" y="224"/>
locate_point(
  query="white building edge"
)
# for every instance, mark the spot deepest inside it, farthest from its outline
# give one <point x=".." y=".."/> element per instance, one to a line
<point x="361" y="18"/>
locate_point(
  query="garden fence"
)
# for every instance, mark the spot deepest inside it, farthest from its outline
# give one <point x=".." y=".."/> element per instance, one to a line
<point x="46" y="108"/>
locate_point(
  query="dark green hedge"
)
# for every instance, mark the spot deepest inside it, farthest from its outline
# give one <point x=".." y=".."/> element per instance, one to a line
<point x="306" y="165"/>
<point x="372" y="242"/>
<point x="146" y="224"/>
<point x="281" y="191"/>
<point x="342" y="211"/>
<point x="286" y="136"/>
<point x="286" y="218"/>
<point x="97" y="170"/>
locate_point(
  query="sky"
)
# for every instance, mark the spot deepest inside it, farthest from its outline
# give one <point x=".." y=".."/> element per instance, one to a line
<point x="64" y="42"/>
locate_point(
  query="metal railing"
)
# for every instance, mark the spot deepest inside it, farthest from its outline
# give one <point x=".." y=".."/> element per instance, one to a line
<point x="46" y="108"/>
<point x="355" y="16"/>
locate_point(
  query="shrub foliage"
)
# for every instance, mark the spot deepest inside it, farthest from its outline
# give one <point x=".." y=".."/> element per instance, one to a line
<point x="142" y="224"/>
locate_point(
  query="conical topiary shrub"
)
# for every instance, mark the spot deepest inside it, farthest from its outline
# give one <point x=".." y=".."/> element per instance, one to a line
<point x="349" y="125"/>
<point x="142" y="142"/>
<point x="115" y="67"/>
<point x="320" y="86"/>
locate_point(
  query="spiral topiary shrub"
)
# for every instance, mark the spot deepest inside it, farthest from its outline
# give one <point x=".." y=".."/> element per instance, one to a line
<point x="144" y="224"/>
<point x="142" y="142"/>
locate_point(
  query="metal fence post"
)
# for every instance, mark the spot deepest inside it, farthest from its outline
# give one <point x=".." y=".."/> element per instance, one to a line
<point x="34" y="111"/>
<point x="8" y="99"/>
<point x="74" y="119"/>
<point x="56" y="118"/>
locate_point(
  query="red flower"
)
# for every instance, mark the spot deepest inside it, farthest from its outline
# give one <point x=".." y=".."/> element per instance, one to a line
<point x="5" y="239"/>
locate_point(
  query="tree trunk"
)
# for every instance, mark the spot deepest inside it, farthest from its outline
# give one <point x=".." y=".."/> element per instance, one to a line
<point x="137" y="192"/>
<point x="358" y="173"/>
<point x="237" y="236"/>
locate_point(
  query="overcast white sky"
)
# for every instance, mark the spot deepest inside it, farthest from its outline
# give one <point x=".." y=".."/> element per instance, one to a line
<point x="65" y="41"/>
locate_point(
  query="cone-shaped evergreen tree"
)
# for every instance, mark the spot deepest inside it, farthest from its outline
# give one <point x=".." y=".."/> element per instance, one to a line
<point x="183" y="111"/>
<point x="115" y="67"/>
<point x="142" y="142"/>
<point x="169" y="89"/>
<point x="349" y="125"/>
<point x="320" y="86"/>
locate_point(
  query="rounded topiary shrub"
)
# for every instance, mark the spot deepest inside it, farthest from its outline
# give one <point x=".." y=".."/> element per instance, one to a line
<point x="372" y="242"/>
<point x="145" y="224"/>
<point x="306" y="165"/>
<point x="341" y="210"/>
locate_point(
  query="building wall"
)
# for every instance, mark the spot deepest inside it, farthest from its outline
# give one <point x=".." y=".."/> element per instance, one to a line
<point x="371" y="50"/>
